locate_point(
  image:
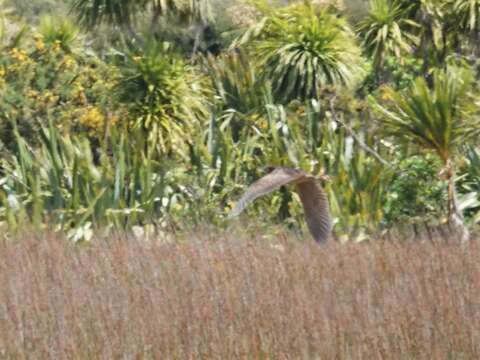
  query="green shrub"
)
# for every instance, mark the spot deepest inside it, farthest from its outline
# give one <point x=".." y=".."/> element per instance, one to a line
<point x="417" y="194"/>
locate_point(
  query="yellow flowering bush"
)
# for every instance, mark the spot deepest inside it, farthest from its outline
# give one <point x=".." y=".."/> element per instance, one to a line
<point x="41" y="81"/>
<point x="92" y="118"/>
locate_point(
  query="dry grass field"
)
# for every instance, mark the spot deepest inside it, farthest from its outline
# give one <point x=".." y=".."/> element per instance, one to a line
<point x="221" y="296"/>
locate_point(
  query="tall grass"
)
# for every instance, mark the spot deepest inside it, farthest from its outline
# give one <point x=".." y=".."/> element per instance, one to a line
<point x="222" y="296"/>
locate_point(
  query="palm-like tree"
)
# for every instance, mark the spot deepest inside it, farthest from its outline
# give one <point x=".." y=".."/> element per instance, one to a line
<point x="303" y="48"/>
<point x="437" y="30"/>
<point x="124" y="13"/>
<point x="468" y="13"/>
<point x="433" y="18"/>
<point x="439" y="119"/>
<point x="467" y="16"/>
<point x="119" y="12"/>
<point x="387" y="31"/>
<point x="166" y="96"/>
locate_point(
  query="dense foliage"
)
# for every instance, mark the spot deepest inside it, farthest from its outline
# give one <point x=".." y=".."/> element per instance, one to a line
<point x="160" y="117"/>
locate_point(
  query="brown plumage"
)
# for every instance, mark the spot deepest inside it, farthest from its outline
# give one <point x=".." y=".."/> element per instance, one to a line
<point x="313" y="197"/>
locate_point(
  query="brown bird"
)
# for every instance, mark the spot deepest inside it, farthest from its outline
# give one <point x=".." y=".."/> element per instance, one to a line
<point x="313" y="197"/>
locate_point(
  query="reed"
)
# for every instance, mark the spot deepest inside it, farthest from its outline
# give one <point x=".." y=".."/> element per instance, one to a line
<point x="217" y="295"/>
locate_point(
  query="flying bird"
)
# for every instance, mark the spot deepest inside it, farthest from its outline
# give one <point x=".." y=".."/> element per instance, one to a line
<point x="313" y="197"/>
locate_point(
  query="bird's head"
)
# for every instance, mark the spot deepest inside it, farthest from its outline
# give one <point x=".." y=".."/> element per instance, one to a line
<point x="324" y="177"/>
<point x="268" y="169"/>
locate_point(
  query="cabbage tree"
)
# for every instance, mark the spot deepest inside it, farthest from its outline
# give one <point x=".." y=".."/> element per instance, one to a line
<point x="467" y="17"/>
<point x="387" y="31"/>
<point x="125" y="13"/>
<point x="302" y="48"/>
<point x="441" y="119"/>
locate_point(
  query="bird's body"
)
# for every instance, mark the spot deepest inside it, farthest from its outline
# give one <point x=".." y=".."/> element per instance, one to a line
<point x="313" y="197"/>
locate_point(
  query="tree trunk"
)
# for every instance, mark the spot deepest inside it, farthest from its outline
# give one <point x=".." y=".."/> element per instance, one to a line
<point x="455" y="216"/>
<point x="198" y="30"/>
<point x="157" y="12"/>
<point x="130" y="35"/>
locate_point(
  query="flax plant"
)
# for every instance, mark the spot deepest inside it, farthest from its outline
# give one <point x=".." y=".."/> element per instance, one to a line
<point x="65" y="185"/>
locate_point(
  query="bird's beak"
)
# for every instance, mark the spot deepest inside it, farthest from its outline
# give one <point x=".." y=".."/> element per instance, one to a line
<point x="324" y="178"/>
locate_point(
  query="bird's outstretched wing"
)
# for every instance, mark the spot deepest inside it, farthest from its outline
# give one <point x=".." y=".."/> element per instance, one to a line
<point x="273" y="180"/>
<point x="316" y="209"/>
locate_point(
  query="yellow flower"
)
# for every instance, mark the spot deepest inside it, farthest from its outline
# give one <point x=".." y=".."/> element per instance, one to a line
<point x="53" y="99"/>
<point x="81" y="97"/>
<point x="39" y="45"/>
<point x="69" y="62"/>
<point x="386" y="95"/>
<point x="32" y="93"/>
<point x="19" y="55"/>
<point x="93" y="118"/>
<point x="262" y="125"/>
<point x="56" y="46"/>
<point x="113" y="119"/>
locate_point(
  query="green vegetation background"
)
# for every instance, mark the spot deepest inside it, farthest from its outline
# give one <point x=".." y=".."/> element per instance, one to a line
<point x="154" y="116"/>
